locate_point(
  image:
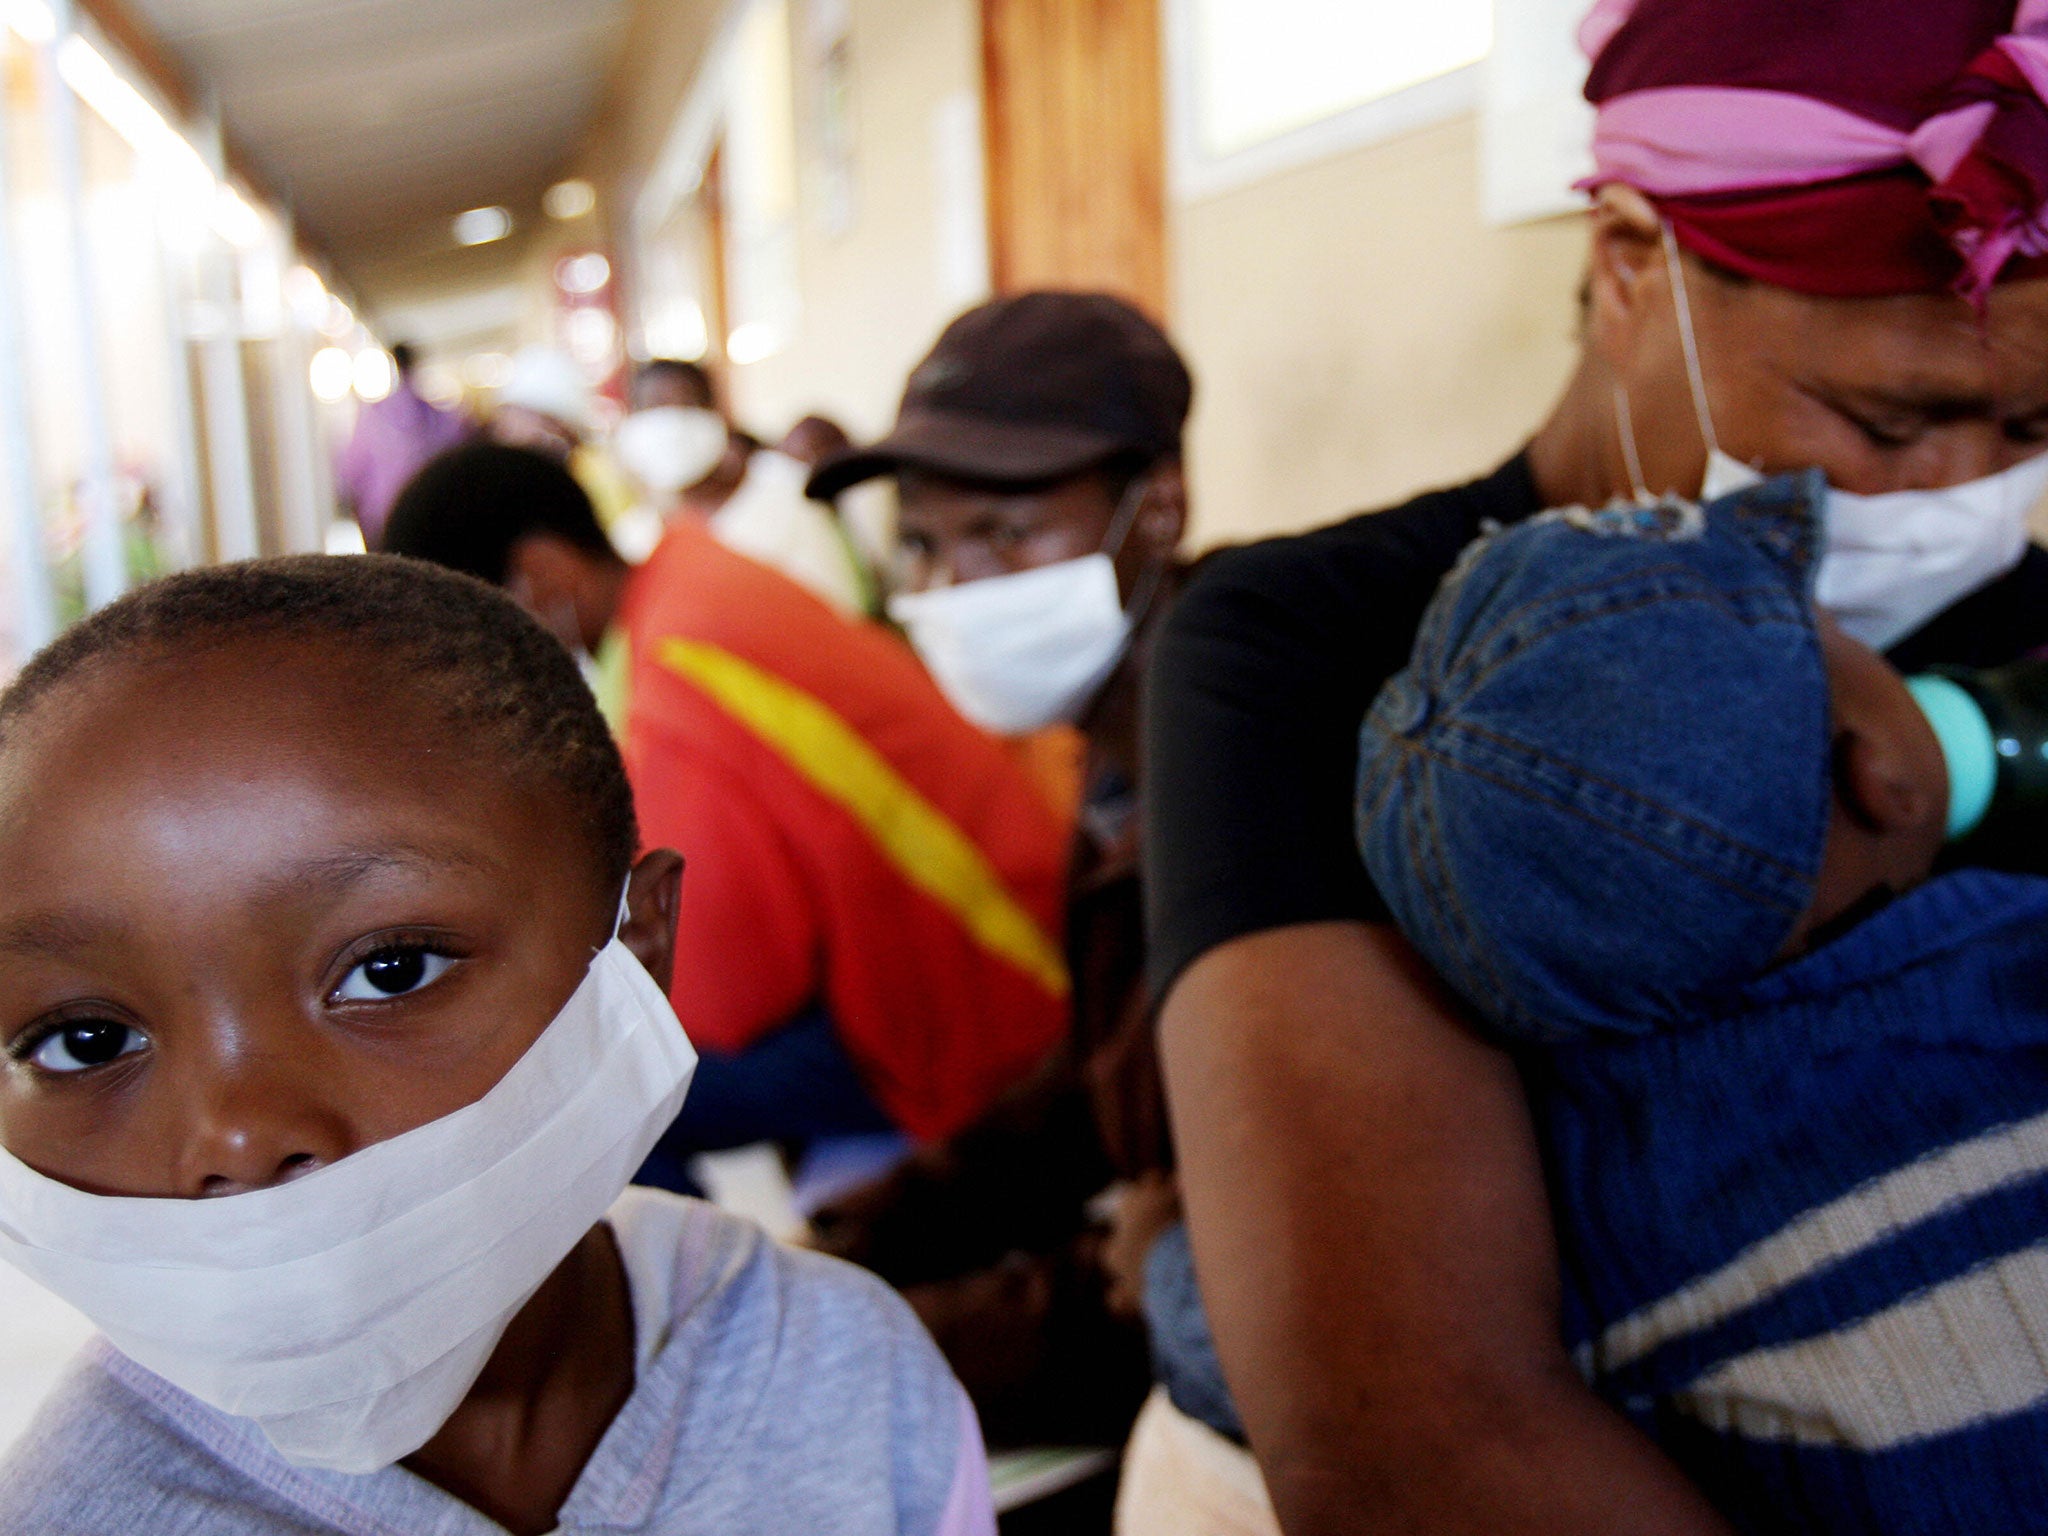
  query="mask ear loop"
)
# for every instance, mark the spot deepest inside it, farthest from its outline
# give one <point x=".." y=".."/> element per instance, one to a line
<point x="1687" y="341"/>
<point x="1625" y="429"/>
<point x="1126" y="516"/>
<point x="625" y="908"/>
<point x="1120" y="527"/>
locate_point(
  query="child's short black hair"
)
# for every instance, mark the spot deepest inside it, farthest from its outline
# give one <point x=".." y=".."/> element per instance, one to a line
<point x="475" y="654"/>
<point x="468" y="507"/>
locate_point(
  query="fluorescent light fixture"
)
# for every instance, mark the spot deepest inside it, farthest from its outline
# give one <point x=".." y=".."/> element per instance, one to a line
<point x="30" y="20"/>
<point x="125" y="109"/>
<point x="333" y="375"/>
<point x="567" y="200"/>
<point x="235" y="220"/>
<point x="480" y="226"/>
<point x="373" y="374"/>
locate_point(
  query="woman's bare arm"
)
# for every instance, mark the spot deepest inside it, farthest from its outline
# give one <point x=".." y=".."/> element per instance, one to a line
<point x="1374" y="1244"/>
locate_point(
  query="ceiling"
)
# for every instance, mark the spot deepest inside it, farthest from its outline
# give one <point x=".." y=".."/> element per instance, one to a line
<point x="380" y="120"/>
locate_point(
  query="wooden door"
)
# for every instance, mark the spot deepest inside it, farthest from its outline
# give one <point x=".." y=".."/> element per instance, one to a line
<point x="717" y="309"/>
<point x="1076" y="125"/>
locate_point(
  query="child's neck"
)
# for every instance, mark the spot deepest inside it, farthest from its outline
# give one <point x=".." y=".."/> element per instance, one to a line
<point x="517" y="1444"/>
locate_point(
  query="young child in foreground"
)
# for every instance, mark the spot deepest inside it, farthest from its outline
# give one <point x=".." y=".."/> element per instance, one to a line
<point x="1671" y="834"/>
<point x="330" y="1044"/>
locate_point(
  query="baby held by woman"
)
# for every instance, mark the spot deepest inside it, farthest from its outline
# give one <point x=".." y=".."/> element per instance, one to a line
<point x="1672" y="835"/>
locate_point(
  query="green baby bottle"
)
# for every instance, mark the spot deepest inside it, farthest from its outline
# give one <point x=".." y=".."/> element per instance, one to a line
<point x="1993" y="729"/>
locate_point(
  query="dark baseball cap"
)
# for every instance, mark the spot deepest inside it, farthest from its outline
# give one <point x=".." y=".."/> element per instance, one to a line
<point x="1035" y="387"/>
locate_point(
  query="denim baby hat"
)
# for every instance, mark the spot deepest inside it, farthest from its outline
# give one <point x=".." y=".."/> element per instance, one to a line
<point x="1597" y="796"/>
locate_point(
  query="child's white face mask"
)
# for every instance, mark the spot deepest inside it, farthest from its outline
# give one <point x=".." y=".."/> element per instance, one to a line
<point x="349" y="1312"/>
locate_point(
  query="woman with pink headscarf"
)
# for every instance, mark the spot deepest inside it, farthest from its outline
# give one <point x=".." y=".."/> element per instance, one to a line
<point x="1819" y="236"/>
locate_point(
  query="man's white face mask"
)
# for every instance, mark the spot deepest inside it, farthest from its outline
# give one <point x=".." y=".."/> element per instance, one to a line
<point x="1890" y="562"/>
<point x="670" y="448"/>
<point x="1018" y="653"/>
<point x="348" y="1312"/>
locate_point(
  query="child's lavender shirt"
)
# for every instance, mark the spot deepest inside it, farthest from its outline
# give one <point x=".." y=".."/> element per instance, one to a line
<point x="777" y="1391"/>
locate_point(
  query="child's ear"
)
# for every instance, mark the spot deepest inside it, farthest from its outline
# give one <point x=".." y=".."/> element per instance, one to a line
<point x="1876" y="785"/>
<point x="653" y="899"/>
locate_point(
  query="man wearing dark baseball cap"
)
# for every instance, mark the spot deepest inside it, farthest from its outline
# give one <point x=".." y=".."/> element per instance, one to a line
<point x="1037" y="462"/>
<point x="1037" y="456"/>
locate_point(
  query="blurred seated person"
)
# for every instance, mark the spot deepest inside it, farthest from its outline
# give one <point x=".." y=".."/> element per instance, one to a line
<point x="866" y="512"/>
<point x="393" y="438"/>
<point x="689" y="460"/>
<point x="1037" y="462"/>
<point x="813" y="440"/>
<point x="869" y="919"/>
<point x="547" y="404"/>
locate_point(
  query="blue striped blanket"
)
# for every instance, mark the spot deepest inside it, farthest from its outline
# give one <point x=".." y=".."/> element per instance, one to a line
<point x="1805" y="1240"/>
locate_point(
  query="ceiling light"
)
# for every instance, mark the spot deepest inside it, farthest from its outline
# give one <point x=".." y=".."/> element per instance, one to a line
<point x="340" y="319"/>
<point x="307" y="296"/>
<point x="373" y="374"/>
<point x="480" y="226"/>
<point x="568" y="200"/>
<point x="333" y="375"/>
<point x="487" y="370"/>
<point x="438" y="384"/>
<point x="583" y="274"/>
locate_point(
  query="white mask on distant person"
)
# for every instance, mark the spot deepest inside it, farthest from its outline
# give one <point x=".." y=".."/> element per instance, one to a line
<point x="670" y="448"/>
<point x="1891" y="562"/>
<point x="348" y="1312"/>
<point x="1020" y="652"/>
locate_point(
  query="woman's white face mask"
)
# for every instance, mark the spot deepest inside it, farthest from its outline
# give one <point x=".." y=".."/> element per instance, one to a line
<point x="1891" y="562"/>
<point x="1021" y="652"/>
<point x="349" y="1312"/>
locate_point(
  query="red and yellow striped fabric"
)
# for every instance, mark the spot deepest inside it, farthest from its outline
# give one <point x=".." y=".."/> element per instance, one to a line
<point x="849" y="838"/>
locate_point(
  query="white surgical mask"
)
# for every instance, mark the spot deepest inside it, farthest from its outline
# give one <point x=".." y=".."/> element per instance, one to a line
<point x="348" y="1312"/>
<point x="1889" y="563"/>
<point x="670" y="448"/>
<point x="1018" y="653"/>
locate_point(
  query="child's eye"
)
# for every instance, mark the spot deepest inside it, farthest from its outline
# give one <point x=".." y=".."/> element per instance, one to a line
<point x="88" y="1043"/>
<point x="391" y="973"/>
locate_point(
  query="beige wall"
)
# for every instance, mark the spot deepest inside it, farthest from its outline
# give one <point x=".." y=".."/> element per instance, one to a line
<point x="1358" y="334"/>
<point x="871" y="296"/>
<point x="665" y="44"/>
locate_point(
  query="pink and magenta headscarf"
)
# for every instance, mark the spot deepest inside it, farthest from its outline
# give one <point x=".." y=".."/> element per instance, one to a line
<point x="1850" y="148"/>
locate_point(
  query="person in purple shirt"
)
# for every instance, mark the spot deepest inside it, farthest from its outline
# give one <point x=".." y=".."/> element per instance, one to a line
<point x="393" y="440"/>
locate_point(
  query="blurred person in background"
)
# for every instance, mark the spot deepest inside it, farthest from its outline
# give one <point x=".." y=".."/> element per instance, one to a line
<point x="866" y="512"/>
<point x="690" y="461"/>
<point x="1037" y="463"/>
<point x="868" y="937"/>
<point x="1817" y="239"/>
<point x="547" y="404"/>
<point x="813" y="440"/>
<point x="393" y="438"/>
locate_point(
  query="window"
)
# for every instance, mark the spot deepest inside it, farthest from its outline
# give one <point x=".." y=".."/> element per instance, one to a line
<point x="1261" y="84"/>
